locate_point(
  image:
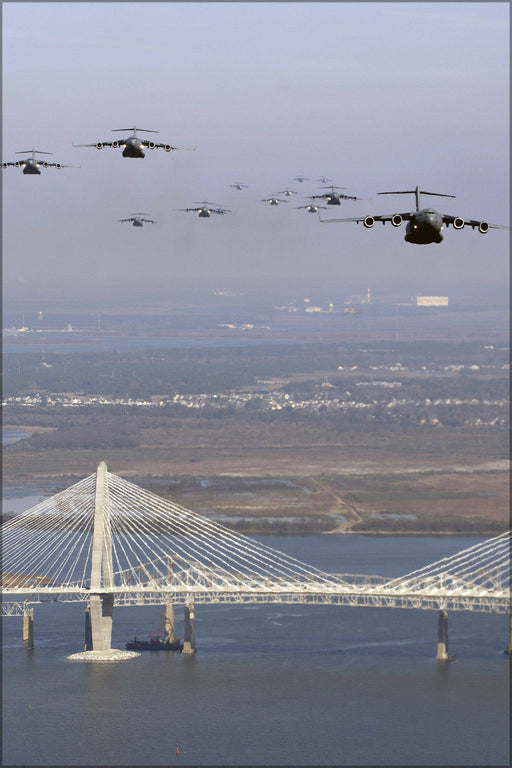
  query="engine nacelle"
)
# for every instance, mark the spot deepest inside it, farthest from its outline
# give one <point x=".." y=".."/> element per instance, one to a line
<point x="17" y="164"/>
<point x="151" y="145"/>
<point x="396" y="220"/>
<point x="167" y="147"/>
<point x="115" y="144"/>
<point x="45" y="164"/>
<point x="4" y="165"/>
<point x="99" y="145"/>
<point x="483" y="227"/>
<point x="58" y="166"/>
<point x="368" y="222"/>
<point x="458" y="223"/>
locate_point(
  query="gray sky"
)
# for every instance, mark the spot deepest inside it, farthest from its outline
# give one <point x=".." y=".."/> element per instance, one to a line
<point x="377" y="96"/>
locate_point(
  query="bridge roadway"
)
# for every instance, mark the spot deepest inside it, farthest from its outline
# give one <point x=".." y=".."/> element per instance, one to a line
<point x="345" y="589"/>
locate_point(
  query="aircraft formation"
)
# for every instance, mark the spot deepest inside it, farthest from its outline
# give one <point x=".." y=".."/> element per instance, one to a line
<point x="423" y="225"/>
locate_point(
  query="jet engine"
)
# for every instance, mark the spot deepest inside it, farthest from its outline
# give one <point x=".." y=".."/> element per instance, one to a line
<point x="167" y="147"/>
<point x="151" y="145"/>
<point x="99" y="145"/>
<point x="458" y="223"/>
<point x="396" y="220"/>
<point x="368" y="222"/>
<point x="58" y="166"/>
<point x="483" y="227"/>
<point x="16" y="164"/>
<point x="115" y="144"/>
<point x="45" y="164"/>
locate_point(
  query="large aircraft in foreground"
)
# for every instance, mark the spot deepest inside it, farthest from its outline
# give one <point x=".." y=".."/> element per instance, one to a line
<point x="137" y="220"/>
<point x="133" y="145"/>
<point x="424" y="225"/>
<point x="31" y="165"/>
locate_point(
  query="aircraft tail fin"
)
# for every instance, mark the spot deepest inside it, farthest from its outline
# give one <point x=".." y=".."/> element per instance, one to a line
<point x="134" y="129"/>
<point x="416" y="192"/>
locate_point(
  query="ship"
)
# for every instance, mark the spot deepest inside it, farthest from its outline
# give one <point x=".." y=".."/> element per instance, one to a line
<point x="155" y="643"/>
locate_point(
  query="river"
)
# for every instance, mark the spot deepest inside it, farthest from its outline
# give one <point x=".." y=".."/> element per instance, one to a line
<point x="269" y="684"/>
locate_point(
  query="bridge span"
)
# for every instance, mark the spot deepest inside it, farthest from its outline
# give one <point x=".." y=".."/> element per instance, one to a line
<point x="106" y="542"/>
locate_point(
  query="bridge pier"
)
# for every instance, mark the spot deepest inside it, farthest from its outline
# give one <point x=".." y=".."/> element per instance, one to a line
<point x="88" y="630"/>
<point x="169" y="625"/>
<point x="101" y="613"/>
<point x="189" y="640"/>
<point x="509" y="649"/>
<point x="28" y="629"/>
<point x="442" y="637"/>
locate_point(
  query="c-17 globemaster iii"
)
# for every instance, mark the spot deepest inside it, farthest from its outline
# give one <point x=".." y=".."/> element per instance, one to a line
<point x="133" y="145"/>
<point x="205" y="209"/>
<point x="31" y="165"/>
<point x="424" y="225"/>
<point x="137" y="220"/>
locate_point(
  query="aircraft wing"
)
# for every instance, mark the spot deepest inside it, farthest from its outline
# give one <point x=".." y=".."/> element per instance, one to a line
<point x="58" y="165"/>
<point x="471" y="223"/>
<point x="149" y="221"/>
<point x="116" y="143"/>
<point x="167" y="147"/>
<point x="17" y="164"/>
<point x="358" y="219"/>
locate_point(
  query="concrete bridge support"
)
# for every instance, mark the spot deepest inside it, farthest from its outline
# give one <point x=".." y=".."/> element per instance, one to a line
<point x="442" y="637"/>
<point x="189" y="641"/>
<point x="28" y="629"/>
<point x="98" y="617"/>
<point x="88" y="630"/>
<point x="101" y="613"/>
<point x="509" y="649"/>
<point x="169" y="625"/>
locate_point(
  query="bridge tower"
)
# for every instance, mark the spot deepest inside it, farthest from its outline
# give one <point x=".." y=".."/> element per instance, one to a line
<point x="101" y="605"/>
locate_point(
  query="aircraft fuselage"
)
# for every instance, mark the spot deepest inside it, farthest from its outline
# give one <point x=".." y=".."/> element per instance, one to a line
<point x="133" y="147"/>
<point x="204" y="213"/>
<point x="333" y="200"/>
<point x="31" y="167"/>
<point x="137" y="223"/>
<point x="424" y="228"/>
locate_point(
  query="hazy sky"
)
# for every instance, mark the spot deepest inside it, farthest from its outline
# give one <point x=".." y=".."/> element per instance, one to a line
<point x="377" y="96"/>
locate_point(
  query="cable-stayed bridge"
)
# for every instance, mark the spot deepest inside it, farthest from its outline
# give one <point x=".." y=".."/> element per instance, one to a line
<point x="106" y="541"/>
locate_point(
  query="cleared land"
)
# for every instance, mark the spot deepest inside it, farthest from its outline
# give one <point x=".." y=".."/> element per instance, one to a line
<point x="278" y="479"/>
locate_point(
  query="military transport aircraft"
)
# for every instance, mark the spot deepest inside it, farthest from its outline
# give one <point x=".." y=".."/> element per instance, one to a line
<point x="31" y="165"/>
<point x="300" y="179"/>
<point x="133" y="145"/>
<point x="137" y="220"/>
<point x="236" y="185"/>
<point x="424" y="225"/>
<point x="287" y="192"/>
<point x="311" y="208"/>
<point x="205" y="209"/>
<point x="273" y="200"/>
<point x="332" y="197"/>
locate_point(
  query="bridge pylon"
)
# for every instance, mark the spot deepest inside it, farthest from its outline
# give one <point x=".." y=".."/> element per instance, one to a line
<point x="98" y="633"/>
